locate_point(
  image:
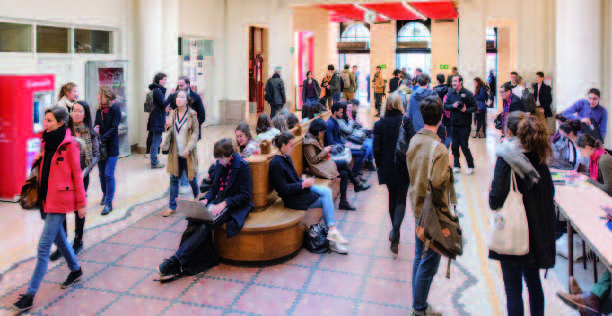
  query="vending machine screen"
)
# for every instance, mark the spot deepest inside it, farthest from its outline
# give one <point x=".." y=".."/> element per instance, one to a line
<point x="42" y="101"/>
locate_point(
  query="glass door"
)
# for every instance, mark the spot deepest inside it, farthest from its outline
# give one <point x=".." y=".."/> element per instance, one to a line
<point x="362" y="61"/>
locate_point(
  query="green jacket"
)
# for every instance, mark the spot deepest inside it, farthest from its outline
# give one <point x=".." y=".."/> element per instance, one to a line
<point x="442" y="181"/>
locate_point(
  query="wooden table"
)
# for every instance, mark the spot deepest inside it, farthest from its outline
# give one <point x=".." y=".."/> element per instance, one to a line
<point x="581" y="205"/>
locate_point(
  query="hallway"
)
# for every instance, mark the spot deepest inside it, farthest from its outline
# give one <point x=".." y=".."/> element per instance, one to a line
<point x="122" y="252"/>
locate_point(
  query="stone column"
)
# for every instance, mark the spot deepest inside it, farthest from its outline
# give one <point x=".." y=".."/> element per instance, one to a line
<point x="169" y="40"/>
<point x="579" y="50"/>
<point x="472" y="41"/>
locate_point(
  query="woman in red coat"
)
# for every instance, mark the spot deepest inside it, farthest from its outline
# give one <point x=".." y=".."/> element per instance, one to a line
<point x="60" y="191"/>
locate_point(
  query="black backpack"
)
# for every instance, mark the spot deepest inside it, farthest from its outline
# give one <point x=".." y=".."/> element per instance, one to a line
<point x="148" y="105"/>
<point x="315" y="239"/>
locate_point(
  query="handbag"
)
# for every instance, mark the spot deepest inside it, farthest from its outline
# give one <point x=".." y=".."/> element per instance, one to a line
<point x="439" y="231"/>
<point x="499" y="121"/>
<point x="401" y="148"/>
<point x="103" y="151"/>
<point x="357" y="137"/>
<point x="315" y="239"/>
<point x="341" y="153"/>
<point x="509" y="234"/>
<point x="28" y="199"/>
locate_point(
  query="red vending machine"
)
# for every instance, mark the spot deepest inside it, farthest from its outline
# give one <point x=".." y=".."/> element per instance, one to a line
<point x="23" y="101"/>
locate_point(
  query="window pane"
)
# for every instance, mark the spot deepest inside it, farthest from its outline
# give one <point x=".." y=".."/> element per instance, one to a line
<point x="208" y="48"/>
<point x="50" y="39"/>
<point x="356" y="33"/>
<point x="93" y="41"/>
<point x="414" y="32"/>
<point x="15" y="37"/>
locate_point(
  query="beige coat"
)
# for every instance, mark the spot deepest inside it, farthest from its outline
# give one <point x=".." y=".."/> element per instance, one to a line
<point x="442" y="181"/>
<point x="192" y="144"/>
<point x="317" y="159"/>
<point x="379" y="83"/>
<point x="66" y="104"/>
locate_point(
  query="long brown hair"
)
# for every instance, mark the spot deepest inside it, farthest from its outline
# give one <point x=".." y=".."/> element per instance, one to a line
<point x="65" y="89"/>
<point x="479" y="84"/>
<point x="263" y="123"/>
<point x="534" y="138"/>
<point x="108" y="93"/>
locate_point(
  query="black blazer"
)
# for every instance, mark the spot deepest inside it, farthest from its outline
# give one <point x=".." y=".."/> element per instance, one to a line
<point x="385" y="134"/>
<point x="539" y="207"/>
<point x="239" y="190"/>
<point x="109" y="129"/>
<point x="545" y="98"/>
<point x="288" y="184"/>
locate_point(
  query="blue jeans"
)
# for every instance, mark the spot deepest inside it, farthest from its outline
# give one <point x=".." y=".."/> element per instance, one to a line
<point x="513" y="283"/>
<point x="53" y="232"/>
<point x="368" y="145"/>
<point x="312" y="101"/>
<point x="106" y="170"/>
<point x="424" y="269"/>
<point x="336" y="97"/>
<point x="325" y="201"/>
<point x="174" y="183"/>
<point x="155" y="143"/>
<point x="359" y="155"/>
<point x="184" y="181"/>
<point x="189" y="246"/>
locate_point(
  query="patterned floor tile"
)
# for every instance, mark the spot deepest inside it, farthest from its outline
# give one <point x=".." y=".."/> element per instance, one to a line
<point x="325" y="306"/>
<point x="106" y="253"/>
<point x="233" y="273"/>
<point x="337" y="284"/>
<point x="129" y="305"/>
<point x="145" y="258"/>
<point x="81" y="302"/>
<point x="155" y="221"/>
<point x="213" y="292"/>
<point x="169" y="291"/>
<point x="133" y="236"/>
<point x="47" y="294"/>
<point x="284" y="276"/>
<point x="117" y="279"/>
<point x="60" y="273"/>
<point x="369" y="309"/>
<point x="191" y="310"/>
<point x="266" y="301"/>
<point x="388" y="292"/>
<point x="305" y="258"/>
<point x="344" y="263"/>
<point x="392" y="269"/>
<point x="166" y="240"/>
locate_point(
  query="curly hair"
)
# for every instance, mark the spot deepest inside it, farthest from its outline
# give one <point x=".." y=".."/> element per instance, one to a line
<point x="65" y="89"/>
<point x="533" y="136"/>
<point x="107" y="93"/>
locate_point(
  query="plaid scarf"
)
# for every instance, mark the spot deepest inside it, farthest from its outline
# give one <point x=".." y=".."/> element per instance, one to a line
<point x="105" y="109"/>
<point x="82" y="132"/>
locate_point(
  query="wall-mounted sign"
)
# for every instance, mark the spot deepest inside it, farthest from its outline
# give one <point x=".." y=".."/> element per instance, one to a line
<point x="443" y="66"/>
<point x="291" y="50"/>
<point x="383" y="66"/>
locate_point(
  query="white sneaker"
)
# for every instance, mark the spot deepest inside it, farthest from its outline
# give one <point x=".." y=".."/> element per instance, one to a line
<point x="457" y="170"/>
<point x="338" y="248"/>
<point x="470" y="171"/>
<point x="335" y="236"/>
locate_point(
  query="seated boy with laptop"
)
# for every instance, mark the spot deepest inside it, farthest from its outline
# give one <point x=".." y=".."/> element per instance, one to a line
<point x="228" y="201"/>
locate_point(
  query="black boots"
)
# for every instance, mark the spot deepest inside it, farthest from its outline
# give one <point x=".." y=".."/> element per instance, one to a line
<point x="107" y="209"/>
<point x="394" y="237"/>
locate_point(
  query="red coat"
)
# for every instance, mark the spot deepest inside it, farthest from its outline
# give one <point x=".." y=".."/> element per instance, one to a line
<point x="65" y="192"/>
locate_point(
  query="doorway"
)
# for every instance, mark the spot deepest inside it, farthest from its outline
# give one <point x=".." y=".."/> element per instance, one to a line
<point x="305" y="63"/>
<point x="257" y="68"/>
<point x="412" y="61"/>
<point x="362" y="61"/>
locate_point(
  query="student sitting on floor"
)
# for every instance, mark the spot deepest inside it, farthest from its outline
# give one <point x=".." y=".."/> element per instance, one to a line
<point x="321" y="165"/>
<point x="301" y="194"/>
<point x="230" y="195"/>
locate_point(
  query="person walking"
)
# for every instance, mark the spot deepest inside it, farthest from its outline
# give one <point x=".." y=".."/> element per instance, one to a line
<point x="379" y="84"/>
<point x="106" y="124"/>
<point x="69" y="94"/>
<point x="441" y="182"/>
<point x="275" y="92"/>
<point x="419" y="94"/>
<point x="195" y="104"/>
<point x="85" y="135"/>
<point x="61" y="190"/>
<point x="331" y="83"/>
<point x="511" y="103"/>
<point x="182" y="146"/>
<point x="394" y="83"/>
<point x="385" y="135"/>
<point x="492" y="84"/>
<point x="310" y="90"/>
<point x="481" y="96"/>
<point x="350" y="84"/>
<point x="157" y="117"/>
<point x="523" y="156"/>
<point x="461" y="103"/>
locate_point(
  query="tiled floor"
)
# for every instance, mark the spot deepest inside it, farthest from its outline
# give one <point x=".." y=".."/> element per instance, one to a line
<point x="124" y="249"/>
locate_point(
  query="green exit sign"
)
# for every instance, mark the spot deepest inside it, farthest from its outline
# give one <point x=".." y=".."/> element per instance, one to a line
<point x="443" y="66"/>
<point x="383" y="66"/>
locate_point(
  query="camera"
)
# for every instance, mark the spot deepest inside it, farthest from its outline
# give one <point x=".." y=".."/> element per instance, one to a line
<point x="460" y="105"/>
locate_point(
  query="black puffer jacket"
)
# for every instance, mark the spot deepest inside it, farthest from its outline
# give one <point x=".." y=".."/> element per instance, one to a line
<point x="157" y="117"/>
<point x="386" y="132"/>
<point x="539" y="207"/>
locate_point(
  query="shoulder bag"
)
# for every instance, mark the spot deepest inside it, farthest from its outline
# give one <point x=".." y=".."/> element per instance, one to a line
<point x="401" y="148"/>
<point x="28" y="199"/>
<point x="341" y="153"/>
<point x="439" y="231"/>
<point x="509" y="234"/>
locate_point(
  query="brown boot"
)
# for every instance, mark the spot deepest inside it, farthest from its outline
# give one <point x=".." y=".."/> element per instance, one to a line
<point x="574" y="287"/>
<point x="587" y="304"/>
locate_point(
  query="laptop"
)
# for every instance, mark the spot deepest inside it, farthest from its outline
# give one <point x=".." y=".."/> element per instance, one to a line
<point x="195" y="210"/>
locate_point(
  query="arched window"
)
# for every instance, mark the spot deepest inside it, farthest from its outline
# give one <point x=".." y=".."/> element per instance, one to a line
<point x="355" y="33"/>
<point x="491" y="35"/>
<point x="414" y="32"/>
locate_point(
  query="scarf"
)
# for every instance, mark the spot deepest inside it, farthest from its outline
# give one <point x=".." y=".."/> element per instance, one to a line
<point x="83" y="133"/>
<point x="223" y="183"/>
<point x="51" y="140"/>
<point x="510" y="150"/>
<point x="105" y="109"/>
<point x="594" y="169"/>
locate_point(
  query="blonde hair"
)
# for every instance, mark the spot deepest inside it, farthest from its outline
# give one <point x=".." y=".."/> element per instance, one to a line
<point x="394" y="102"/>
<point x="65" y="89"/>
<point x="108" y="93"/>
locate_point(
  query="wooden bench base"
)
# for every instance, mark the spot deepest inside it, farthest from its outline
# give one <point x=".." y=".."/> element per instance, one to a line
<point x="270" y="235"/>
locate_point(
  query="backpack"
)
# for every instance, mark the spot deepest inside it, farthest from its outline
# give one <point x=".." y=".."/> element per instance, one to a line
<point x="148" y="105"/>
<point x="315" y="239"/>
<point x="346" y="80"/>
